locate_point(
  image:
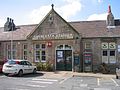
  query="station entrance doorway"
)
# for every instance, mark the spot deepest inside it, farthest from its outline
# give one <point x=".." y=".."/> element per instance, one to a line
<point x="64" y="58"/>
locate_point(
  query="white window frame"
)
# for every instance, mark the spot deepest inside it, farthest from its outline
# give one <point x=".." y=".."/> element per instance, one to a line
<point x="90" y="45"/>
<point x="14" y="51"/>
<point x="40" y="49"/>
<point x="25" y="50"/>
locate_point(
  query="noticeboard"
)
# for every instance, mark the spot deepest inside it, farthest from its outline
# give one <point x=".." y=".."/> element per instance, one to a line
<point x="76" y="60"/>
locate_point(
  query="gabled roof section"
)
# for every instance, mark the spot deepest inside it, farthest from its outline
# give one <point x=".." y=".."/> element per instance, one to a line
<point x="51" y="11"/>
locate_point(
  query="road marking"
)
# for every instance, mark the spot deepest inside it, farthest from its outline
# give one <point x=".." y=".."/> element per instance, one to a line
<point x="83" y="85"/>
<point x="52" y="80"/>
<point x="102" y="89"/>
<point x="81" y="80"/>
<point x="115" y="82"/>
<point x="16" y="89"/>
<point x="98" y="81"/>
<point x="35" y="86"/>
<point x="42" y="82"/>
<point x="64" y="80"/>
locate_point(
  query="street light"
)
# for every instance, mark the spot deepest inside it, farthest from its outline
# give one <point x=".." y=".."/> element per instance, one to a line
<point x="11" y="39"/>
<point x="12" y="29"/>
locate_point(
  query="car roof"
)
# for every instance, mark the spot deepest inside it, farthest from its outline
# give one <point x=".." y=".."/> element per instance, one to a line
<point x="16" y="60"/>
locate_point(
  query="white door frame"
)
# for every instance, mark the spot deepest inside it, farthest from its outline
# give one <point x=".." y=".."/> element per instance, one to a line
<point x="64" y="49"/>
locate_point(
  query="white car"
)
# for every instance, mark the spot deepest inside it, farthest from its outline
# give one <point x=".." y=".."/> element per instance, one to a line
<point x="18" y="67"/>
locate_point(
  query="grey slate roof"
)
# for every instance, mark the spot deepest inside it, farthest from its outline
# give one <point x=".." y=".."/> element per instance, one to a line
<point x="92" y="29"/>
<point x="19" y="34"/>
<point x="88" y="29"/>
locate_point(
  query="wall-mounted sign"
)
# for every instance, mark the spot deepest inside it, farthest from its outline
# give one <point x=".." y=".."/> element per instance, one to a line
<point x="104" y="45"/>
<point x="49" y="44"/>
<point x="119" y="48"/>
<point x="112" y="45"/>
<point x="53" y="36"/>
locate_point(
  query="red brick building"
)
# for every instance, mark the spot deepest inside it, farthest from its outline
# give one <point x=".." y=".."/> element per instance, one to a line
<point x="67" y="45"/>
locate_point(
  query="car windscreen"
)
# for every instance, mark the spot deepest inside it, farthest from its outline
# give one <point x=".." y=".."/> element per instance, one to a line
<point x="11" y="62"/>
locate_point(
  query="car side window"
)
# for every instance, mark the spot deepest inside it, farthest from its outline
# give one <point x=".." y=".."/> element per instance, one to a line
<point x="25" y="63"/>
<point x="22" y="63"/>
<point x="28" y="63"/>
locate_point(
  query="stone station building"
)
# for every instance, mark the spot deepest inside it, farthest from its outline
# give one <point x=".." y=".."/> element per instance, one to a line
<point x="69" y="46"/>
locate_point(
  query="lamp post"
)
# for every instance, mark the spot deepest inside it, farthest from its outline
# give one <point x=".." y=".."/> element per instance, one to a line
<point x="11" y="38"/>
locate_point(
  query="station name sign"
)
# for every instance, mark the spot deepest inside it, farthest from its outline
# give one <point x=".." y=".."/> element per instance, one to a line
<point x="53" y="36"/>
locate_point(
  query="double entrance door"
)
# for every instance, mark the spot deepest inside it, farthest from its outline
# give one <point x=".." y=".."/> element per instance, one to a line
<point x="64" y="60"/>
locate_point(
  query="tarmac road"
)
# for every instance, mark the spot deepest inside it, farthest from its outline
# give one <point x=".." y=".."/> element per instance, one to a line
<point x="91" y="83"/>
<point x="60" y="81"/>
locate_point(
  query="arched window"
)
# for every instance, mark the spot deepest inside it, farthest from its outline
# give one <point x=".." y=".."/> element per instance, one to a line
<point x="64" y="47"/>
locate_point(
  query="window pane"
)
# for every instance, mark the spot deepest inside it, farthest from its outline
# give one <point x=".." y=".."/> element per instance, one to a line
<point x="60" y="47"/>
<point x="43" y="52"/>
<point x="67" y="47"/>
<point x="37" y="53"/>
<point x="37" y="46"/>
<point x="9" y="54"/>
<point x="43" y="46"/>
<point x="25" y="46"/>
<point x="37" y="57"/>
<point x="104" y="53"/>
<point x="25" y="52"/>
<point x="25" y="57"/>
<point x="87" y="45"/>
<point x="112" y="53"/>
<point x="9" y="47"/>
<point x="14" y="47"/>
<point x="43" y="58"/>
<point x="14" y="52"/>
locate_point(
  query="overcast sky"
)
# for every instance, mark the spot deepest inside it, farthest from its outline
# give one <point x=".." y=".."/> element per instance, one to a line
<point x="33" y="11"/>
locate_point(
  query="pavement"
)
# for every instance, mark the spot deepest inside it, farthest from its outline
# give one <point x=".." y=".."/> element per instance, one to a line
<point x="65" y="74"/>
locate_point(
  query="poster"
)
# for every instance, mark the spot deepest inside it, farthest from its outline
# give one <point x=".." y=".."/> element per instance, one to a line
<point x="119" y="48"/>
<point x="59" y="56"/>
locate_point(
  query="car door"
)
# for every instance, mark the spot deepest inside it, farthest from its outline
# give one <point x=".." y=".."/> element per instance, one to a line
<point x="24" y="67"/>
<point x="30" y="68"/>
